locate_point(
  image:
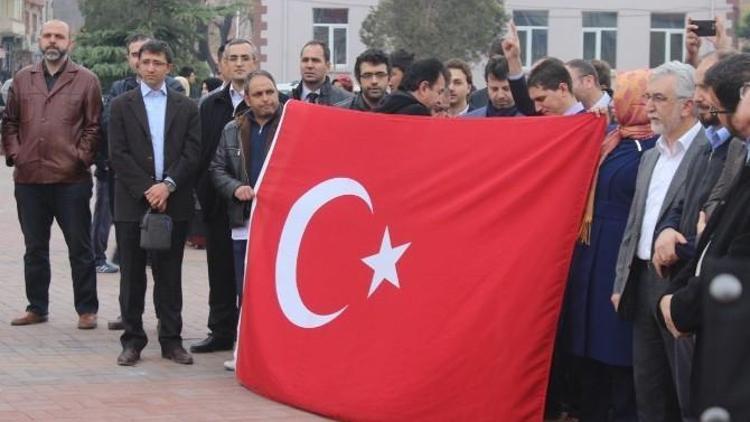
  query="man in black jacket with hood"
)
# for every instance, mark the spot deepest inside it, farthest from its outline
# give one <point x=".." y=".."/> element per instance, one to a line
<point x="422" y="87"/>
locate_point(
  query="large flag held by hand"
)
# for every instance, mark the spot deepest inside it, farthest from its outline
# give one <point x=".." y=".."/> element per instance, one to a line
<point x="407" y="268"/>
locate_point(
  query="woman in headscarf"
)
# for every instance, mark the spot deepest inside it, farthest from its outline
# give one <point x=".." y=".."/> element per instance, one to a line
<point x="598" y="343"/>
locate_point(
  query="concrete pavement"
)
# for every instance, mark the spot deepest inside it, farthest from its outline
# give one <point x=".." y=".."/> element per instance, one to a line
<point x="53" y="371"/>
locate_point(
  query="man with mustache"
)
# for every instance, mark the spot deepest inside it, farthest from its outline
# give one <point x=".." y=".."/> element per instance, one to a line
<point x="50" y="135"/>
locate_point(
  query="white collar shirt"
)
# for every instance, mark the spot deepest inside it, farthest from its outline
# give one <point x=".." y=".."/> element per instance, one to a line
<point x="661" y="178"/>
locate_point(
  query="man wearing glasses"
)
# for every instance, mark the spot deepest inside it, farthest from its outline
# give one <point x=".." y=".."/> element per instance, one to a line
<point x="372" y="71"/>
<point x="238" y="60"/>
<point x="154" y="136"/>
<point x="662" y="173"/>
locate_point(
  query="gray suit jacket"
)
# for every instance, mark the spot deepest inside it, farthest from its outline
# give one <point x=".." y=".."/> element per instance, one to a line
<point x="730" y="174"/>
<point x="632" y="234"/>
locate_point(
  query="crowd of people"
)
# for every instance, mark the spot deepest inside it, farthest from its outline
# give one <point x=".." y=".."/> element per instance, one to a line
<point x="653" y="303"/>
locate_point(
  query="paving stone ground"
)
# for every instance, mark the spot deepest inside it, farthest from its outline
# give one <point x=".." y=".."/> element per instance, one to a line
<point x="55" y="372"/>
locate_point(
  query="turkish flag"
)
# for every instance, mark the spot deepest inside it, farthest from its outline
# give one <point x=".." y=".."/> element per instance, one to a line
<point x="409" y="268"/>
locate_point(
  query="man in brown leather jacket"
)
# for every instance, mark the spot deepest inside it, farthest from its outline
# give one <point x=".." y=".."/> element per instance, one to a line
<point x="50" y="133"/>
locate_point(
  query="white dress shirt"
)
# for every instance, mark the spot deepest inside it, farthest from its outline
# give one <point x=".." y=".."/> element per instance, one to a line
<point x="661" y="179"/>
<point x="574" y="109"/>
<point x="236" y="96"/>
<point x="603" y="101"/>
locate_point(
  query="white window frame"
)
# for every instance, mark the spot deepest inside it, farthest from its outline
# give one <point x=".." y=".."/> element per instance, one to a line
<point x="331" y="42"/>
<point x="597" y="31"/>
<point x="529" y="41"/>
<point x="668" y="32"/>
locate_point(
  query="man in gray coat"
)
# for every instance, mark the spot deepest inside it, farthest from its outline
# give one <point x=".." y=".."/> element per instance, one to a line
<point x="661" y="175"/>
<point x="314" y="65"/>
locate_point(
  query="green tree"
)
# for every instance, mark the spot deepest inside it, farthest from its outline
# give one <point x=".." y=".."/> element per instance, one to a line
<point x="435" y="28"/>
<point x="183" y="24"/>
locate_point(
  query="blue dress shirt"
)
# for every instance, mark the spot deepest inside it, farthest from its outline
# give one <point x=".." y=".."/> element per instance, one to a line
<point x="156" y="112"/>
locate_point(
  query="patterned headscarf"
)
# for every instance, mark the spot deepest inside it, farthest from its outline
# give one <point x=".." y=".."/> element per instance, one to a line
<point x="630" y="112"/>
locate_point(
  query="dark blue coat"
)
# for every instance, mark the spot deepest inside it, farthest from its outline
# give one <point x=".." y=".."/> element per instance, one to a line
<point x="590" y="327"/>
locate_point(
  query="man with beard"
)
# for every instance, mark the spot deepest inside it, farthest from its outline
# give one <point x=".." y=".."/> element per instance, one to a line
<point x="50" y="134"/>
<point x="238" y="60"/>
<point x="372" y="71"/>
<point x="499" y="91"/>
<point x="314" y="64"/>
<point x="676" y="239"/>
<point x="662" y="173"/>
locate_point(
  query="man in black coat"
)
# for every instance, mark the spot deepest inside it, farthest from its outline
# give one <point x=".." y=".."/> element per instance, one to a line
<point x="216" y="110"/>
<point x="421" y="89"/>
<point x="154" y="136"/>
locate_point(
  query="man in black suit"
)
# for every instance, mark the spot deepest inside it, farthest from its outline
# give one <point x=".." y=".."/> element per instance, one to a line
<point x="216" y="110"/>
<point x="154" y="136"/>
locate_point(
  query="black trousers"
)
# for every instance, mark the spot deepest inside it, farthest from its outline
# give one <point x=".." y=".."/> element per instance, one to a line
<point x="68" y="203"/>
<point x="222" y="293"/>
<point x="166" y="268"/>
<point x="655" y="361"/>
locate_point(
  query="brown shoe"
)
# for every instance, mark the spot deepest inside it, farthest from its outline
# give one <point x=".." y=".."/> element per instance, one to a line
<point x="87" y="322"/>
<point x="178" y="354"/>
<point x="116" y="324"/>
<point x="128" y="357"/>
<point x="29" y="318"/>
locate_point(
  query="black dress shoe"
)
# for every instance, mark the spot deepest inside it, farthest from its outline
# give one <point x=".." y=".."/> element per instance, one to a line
<point x="178" y="354"/>
<point x="212" y="344"/>
<point x="128" y="357"/>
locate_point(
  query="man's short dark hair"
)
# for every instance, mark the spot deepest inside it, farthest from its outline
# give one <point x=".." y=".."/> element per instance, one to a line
<point x="157" y="47"/>
<point x="604" y="71"/>
<point x="324" y="46"/>
<point x="136" y="38"/>
<point x="726" y="77"/>
<point x="497" y="66"/>
<point x="373" y="56"/>
<point x="584" y="68"/>
<point x="220" y="51"/>
<point x="256" y="73"/>
<point x="401" y="59"/>
<point x="463" y="67"/>
<point x="549" y="74"/>
<point x="186" y="71"/>
<point x="426" y="70"/>
<point x="237" y="41"/>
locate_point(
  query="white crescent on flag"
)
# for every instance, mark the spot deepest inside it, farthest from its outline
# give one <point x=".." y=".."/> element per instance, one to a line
<point x="383" y="263"/>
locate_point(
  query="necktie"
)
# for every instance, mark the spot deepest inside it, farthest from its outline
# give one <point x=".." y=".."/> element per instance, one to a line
<point x="312" y="98"/>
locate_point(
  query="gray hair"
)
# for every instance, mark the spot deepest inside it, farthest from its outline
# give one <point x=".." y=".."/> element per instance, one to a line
<point x="683" y="74"/>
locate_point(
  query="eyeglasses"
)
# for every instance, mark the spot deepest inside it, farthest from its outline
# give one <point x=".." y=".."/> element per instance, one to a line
<point x="658" y="98"/>
<point x="154" y="63"/>
<point x="377" y="75"/>
<point x="714" y="112"/>
<point x="744" y="90"/>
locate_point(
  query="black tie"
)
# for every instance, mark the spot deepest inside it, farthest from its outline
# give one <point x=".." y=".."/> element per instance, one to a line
<point x="312" y="98"/>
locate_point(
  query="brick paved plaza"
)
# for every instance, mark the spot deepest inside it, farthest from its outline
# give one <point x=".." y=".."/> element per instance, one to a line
<point x="54" y="371"/>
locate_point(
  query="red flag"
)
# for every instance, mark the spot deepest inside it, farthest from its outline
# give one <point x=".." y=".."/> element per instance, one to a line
<point x="403" y="268"/>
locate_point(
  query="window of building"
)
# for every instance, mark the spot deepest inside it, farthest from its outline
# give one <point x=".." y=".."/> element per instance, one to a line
<point x="532" y="34"/>
<point x="600" y="36"/>
<point x="331" y="26"/>
<point x="667" y="38"/>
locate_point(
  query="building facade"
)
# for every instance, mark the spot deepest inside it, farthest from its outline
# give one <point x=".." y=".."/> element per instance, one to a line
<point x="284" y="26"/>
<point x="20" y="23"/>
<point x="628" y="34"/>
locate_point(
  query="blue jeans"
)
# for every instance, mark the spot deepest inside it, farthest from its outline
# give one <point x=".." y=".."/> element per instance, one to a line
<point x="68" y="203"/>
<point x="239" y="246"/>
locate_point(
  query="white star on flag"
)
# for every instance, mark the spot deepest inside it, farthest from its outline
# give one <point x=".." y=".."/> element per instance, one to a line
<point x="383" y="263"/>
